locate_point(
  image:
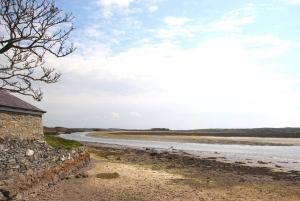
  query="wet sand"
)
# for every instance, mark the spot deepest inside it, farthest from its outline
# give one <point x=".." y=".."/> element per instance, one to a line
<point x="199" y="139"/>
<point x="150" y="175"/>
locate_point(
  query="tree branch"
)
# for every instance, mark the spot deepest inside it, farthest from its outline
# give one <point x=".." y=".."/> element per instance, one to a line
<point x="32" y="29"/>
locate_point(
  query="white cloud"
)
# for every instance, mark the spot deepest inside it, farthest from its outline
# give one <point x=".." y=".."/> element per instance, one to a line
<point x="111" y="6"/>
<point x="93" y="32"/>
<point x="183" y="27"/>
<point x="115" y="115"/>
<point x="153" y="8"/>
<point x="176" y="21"/>
<point x="172" y="33"/>
<point x="221" y="75"/>
<point x="268" y="46"/>
<point x="115" y="3"/>
<point x="135" y="114"/>
<point x="218" y="75"/>
<point x="230" y="24"/>
<point x="293" y="2"/>
<point x="176" y="27"/>
<point x="234" y="20"/>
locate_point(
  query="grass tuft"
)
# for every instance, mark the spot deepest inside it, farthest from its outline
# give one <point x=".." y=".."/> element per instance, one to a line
<point x="108" y="175"/>
<point x="60" y="143"/>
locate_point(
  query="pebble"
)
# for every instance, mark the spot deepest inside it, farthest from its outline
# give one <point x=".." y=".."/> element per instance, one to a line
<point x="29" y="152"/>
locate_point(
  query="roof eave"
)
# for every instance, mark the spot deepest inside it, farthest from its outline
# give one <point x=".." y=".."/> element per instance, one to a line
<point x="21" y="110"/>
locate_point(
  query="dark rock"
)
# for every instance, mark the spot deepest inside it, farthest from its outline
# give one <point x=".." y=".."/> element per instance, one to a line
<point x="261" y="162"/>
<point x="12" y="161"/>
<point x="4" y="195"/>
<point x="82" y="175"/>
<point x="153" y="154"/>
<point x="242" y="180"/>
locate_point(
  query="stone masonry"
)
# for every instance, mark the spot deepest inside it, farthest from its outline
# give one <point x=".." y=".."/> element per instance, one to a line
<point x="20" y="126"/>
<point x="28" y="164"/>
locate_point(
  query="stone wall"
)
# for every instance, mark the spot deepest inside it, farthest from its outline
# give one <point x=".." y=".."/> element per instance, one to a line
<point x="27" y="164"/>
<point x="20" y="126"/>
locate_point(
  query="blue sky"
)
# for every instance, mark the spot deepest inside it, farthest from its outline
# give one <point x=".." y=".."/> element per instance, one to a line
<point x="178" y="64"/>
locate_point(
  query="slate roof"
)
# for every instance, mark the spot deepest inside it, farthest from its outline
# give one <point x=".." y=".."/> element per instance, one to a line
<point x="9" y="101"/>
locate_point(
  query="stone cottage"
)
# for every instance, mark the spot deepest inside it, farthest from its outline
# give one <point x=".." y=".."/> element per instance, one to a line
<point x="19" y="119"/>
<point x="28" y="163"/>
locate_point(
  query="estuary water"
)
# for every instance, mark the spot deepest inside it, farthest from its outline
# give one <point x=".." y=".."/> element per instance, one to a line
<point x="283" y="158"/>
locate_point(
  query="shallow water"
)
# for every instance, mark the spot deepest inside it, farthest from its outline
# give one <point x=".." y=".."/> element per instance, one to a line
<point x="287" y="157"/>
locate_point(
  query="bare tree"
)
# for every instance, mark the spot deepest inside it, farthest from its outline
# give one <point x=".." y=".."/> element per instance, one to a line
<point x="30" y="30"/>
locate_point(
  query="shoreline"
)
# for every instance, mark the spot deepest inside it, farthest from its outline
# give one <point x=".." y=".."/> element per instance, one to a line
<point x="157" y="175"/>
<point x="205" y="160"/>
<point x="277" y="158"/>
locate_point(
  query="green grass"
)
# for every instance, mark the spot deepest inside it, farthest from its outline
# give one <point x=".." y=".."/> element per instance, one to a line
<point x="60" y="143"/>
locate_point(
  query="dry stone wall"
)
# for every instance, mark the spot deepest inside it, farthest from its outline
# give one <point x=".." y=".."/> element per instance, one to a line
<point x="26" y="164"/>
<point x="20" y="126"/>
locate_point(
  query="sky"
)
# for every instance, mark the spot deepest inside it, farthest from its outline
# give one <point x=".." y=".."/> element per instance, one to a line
<point x="178" y="64"/>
